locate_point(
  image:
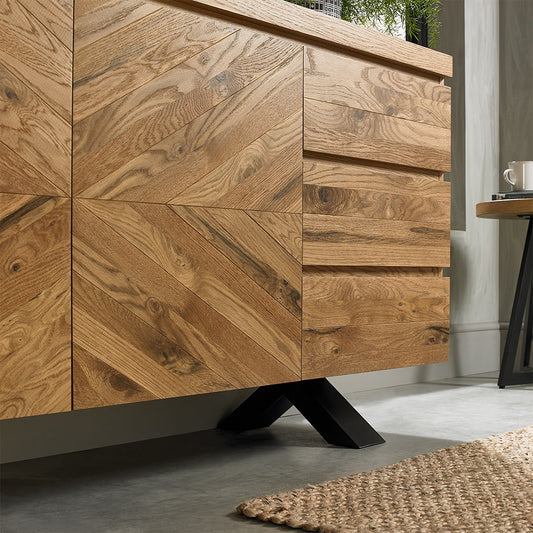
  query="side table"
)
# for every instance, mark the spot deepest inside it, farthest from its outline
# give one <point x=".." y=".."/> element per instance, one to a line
<point x="516" y="209"/>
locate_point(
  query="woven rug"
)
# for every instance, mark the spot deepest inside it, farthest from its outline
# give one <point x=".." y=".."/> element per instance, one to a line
<point x="482" y="486"/>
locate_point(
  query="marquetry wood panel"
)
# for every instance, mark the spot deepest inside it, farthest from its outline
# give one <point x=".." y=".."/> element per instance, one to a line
<point x="360" y="324"/>
<point x="176" y="300"/>
<point x="345" y="131"/>
<point x="208" y="114"/>
<point x="35" y="305"/>
<point x="362" y="84"/>
<point x="35" y="97"/>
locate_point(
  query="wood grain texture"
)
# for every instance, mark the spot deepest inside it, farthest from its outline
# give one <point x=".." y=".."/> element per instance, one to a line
<point x="366" y="85"/>
<point x="354" y="349"/>
<point x="110" y="137"/>
<point x="133" y="349"/>
<point x="148" y="260"/>
<point x="252" y="249"/>
<point x="286" y="228"/>
<point x="265" y="176"/>
<point x="207" y="142"/>
<point x="373" y="193"/>
<point x="138" y="53"/>
<point x="95" y="383"/>
<point x="509" y="209"/>
<point x="35" y="305"/>
<point x="351" y="241"/>
<point x="39" y="139"/>
<point x="344" y="131"/>
<point x="95" y="19"/>
<point x="309" y="26"/>
<point x="36" y="56"/>
<point x="54" y="15"/>
<point x="361" y="324"/>
<point x="18" y="176"/>
<point x="371" y="271"/>
<point x="332" y="301"/>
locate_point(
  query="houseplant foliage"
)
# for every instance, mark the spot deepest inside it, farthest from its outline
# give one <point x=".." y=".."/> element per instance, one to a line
<point x="386" y="15"/>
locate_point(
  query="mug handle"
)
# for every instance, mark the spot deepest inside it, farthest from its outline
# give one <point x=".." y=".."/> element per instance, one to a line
<point x="507" y="178"/>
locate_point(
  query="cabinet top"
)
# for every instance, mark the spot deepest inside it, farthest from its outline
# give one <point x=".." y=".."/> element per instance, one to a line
<point x="316" y="28"/>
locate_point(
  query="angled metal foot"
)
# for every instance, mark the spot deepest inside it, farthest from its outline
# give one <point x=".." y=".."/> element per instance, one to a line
<point x="318" y="401"/>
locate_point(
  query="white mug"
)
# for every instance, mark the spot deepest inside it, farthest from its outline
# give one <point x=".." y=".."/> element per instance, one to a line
<point x="519" y="175"/>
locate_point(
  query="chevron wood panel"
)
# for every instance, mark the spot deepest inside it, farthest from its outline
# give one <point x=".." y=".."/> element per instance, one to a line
<point x="197" y="126"/>
<point x="35" y="97"/>
<point x="35" y="55"/>
<point x="95" y="19"/>
<point x="138" y="53"/>
<point x="374" y="193"/>
<point x="35" y="305"/>
<point x="54" y="15"/>
<point x="363" y="84"/>
<point x="345" y="131"/>
<point x="177" y="301"/>
<point x="361" y="324"/>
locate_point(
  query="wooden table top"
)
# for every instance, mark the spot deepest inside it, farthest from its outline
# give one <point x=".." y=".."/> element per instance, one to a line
<point x="517" y="209"/>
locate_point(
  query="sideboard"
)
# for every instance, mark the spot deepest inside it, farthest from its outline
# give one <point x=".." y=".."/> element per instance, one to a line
<point x="205" y="195"/>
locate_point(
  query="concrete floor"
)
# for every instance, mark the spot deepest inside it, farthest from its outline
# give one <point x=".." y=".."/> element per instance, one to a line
<point x="192" y="483"/>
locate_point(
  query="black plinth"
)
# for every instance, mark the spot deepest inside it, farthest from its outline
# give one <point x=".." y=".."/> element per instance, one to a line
<point x="318" y="401"/>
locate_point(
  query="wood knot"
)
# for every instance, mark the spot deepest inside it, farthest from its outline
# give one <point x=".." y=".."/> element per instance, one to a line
<point x="15" y="266"/>
<point x="10" y="94"/>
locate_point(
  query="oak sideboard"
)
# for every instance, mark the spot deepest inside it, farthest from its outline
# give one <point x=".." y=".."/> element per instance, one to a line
<point x="205" y="195"/>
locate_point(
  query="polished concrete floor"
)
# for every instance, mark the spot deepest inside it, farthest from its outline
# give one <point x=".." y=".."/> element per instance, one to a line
<point x="192" y="483"/>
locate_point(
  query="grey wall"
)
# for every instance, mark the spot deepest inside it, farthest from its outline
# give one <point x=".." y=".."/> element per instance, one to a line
<point x="452" y="41"/>
<point x="516" y="128"/>
<point x="474" y="343"/>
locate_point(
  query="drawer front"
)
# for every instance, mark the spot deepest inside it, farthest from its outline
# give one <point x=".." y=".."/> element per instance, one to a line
<point x="358" y="215"/>
<point x="360" y="109"/>
<point x="359" y="324"/>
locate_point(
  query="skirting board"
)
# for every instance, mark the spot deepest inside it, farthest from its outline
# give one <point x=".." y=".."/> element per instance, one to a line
<point x="474" y="349"/>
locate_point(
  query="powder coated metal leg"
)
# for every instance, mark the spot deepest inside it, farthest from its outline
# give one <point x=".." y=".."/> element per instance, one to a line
<point x="318" y="401"/>
<point x="529" y="329"/>
<point x="260" y="410"/>
<point x="523" y="288"/>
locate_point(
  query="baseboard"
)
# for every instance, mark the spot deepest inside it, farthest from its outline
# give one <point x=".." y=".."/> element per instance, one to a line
<point x="474" y="348"/>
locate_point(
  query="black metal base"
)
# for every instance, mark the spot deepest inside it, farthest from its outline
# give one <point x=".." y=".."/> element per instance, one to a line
<point x="524" y="290"/>
<point x="318" y="400"/>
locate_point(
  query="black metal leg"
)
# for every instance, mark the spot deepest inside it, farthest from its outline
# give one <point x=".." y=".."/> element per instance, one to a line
<point x="523" y="287"/>
<point x="529" y="329"/>
<point x="260" y="410"/>
<point x="318" y="400"/>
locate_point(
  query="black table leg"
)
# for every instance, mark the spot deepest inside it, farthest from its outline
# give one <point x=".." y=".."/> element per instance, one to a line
<point x="318" y="400"/>
<point x="524" y="287"/>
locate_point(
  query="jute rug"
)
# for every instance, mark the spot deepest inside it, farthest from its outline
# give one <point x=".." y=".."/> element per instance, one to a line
<point x="486" y="485"/>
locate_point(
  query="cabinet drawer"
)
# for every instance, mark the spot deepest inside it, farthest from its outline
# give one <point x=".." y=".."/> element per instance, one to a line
<point x="358" y="108"/>
<point x="357" y="215"/>
<point x="359" y="324"/>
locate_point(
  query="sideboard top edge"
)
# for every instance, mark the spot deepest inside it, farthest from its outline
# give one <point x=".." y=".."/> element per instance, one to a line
<point x="313" y="27"/>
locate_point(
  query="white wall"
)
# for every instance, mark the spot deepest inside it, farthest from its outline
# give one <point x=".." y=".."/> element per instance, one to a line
<point x="474" y="343"/>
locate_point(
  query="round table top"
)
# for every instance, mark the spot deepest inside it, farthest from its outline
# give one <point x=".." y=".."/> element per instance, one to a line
<point x="519" y="208"/>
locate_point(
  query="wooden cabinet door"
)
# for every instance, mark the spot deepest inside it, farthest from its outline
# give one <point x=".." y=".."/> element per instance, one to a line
<point x="35" y="180"/>
<point x="187" y="163"/>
